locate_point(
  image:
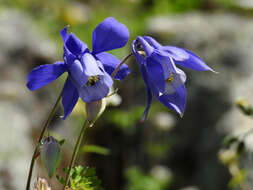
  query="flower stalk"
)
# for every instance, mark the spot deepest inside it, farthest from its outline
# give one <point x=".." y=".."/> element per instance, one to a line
<point x="86" y="124"/>
<point x="76" y="149"/>
<point x="120" y="64"/>
<point x="36" y="151"/>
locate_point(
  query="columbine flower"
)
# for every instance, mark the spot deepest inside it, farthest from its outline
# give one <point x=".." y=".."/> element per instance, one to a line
<point x="161" y="76"/>
<point x="89" y="72"/>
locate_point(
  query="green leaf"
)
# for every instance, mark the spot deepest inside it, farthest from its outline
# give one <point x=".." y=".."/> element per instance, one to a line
<point x="60" y="179"/>
<point x="95" y="149"/>
<point x="61" y="142"/>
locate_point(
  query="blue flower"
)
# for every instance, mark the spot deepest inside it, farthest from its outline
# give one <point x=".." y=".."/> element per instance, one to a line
<point x="161" y="76"/>
<point x="89" y="72"/>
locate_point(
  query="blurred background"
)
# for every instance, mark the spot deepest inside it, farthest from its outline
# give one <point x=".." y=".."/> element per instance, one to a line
<point x="164" y="153"/>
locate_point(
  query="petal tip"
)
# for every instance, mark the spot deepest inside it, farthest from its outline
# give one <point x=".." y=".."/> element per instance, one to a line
<point x="143" y="117"/>
<point x="215" y="72"/>
<point x="29" y="86"/>
<point x="108" y="35"/>
<point x="63" y="117"/>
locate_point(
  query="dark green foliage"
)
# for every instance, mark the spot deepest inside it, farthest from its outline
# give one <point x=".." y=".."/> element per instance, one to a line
<point x="82" y="179"/>
<point x="62" y="141"/>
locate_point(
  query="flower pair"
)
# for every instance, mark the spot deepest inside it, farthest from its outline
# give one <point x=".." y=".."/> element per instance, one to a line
<point x="88" y="72"/>
<point x="159" y="70"/>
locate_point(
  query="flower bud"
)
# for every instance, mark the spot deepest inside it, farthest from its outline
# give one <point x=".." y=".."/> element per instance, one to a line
<point x="94" y="110"/>
<point x="50" y="152"/>
<point x="41" y="184"/>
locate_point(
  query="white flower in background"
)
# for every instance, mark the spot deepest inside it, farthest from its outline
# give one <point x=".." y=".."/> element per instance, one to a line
<point x="114" y="99"/>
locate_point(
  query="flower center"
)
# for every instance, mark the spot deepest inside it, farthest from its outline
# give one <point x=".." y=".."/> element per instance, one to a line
<point x="140" y="49"/>
<point x="92" y="80"/>
<point x="170" y="78"/>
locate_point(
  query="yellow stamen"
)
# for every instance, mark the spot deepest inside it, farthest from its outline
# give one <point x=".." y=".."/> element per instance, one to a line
<point x="142" y="53"/>
<point x="170" y="78"/>
<point x="92" y="80"/>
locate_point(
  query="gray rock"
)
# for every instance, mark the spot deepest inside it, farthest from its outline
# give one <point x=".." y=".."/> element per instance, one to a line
<point x="224" y="41"/>
<point x="22" y="112"/>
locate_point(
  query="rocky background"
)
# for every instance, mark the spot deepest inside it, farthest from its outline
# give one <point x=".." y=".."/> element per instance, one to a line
<point x="165" y="152"/>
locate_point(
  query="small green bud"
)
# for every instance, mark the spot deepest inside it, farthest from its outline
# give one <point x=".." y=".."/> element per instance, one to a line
<point x="41" y="184"/>
<point x="50" y="152"/>
<point x="94" y="110"/>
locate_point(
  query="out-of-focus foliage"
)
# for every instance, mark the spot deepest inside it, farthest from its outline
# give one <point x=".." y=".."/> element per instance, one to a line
<point x="94" y="149"/>
<point x="125" y="119"/>
<point x="244" y="107"/>
<point x="157" y="150"/>
<point x="137" y="180"/>
<point x="231" y="157"/>
<point x="234" y="151"/>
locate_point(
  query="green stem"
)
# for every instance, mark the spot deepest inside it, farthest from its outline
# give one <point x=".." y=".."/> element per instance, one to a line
<point x="121" y="63"/>
<point x="85" y="126"/>
<point x="76" y="150"/>
<point x="35" y="153"/>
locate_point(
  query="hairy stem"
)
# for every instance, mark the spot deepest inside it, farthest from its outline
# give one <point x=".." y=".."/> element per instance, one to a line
<point x="35" y="153"/>
<point x="76" y="150"/>
<point x="120" y="64"/>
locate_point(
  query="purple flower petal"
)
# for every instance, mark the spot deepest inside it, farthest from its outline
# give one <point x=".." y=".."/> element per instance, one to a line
<point x="69" y="97"/>
<point x="194" y="62"/>
<point x="98" y="91"/>
<point x="149" y="94"/>
<point x="152" y="42"/>
<point x="178" y="54"/>
<point x="108" y="35"/>
<point x="90" y="66"/>
<point x="155" y="71"/>
<point x="68" y="57"/>
<point x="149" y="100"/>
<point x="44" y="74"/>
<point x="110" y="63"/>
<point x="145" y="46"/>
<point x="187" y="59"/>
<point x="139" y="57"/>
<point x="177" y="80"/>
<point x="64" y="34"/>
<point x="75" y="45"/>
<point x="76" y="71"/>
<point x="175" y="101"/>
